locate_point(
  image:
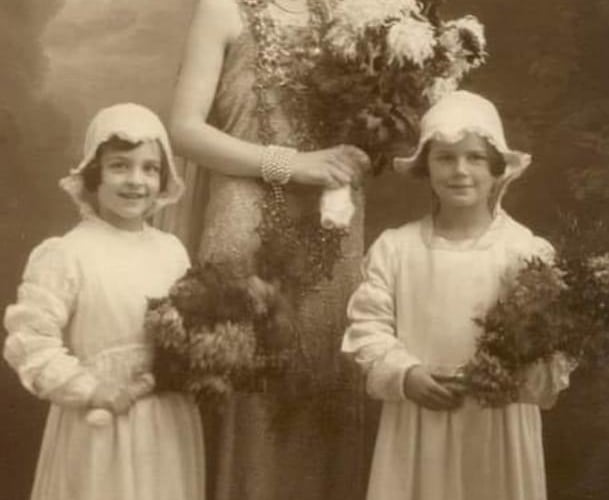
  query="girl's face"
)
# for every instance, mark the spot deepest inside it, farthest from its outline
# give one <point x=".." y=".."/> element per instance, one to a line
<point x="130" y="183"/>
<point x="460" y="172"/>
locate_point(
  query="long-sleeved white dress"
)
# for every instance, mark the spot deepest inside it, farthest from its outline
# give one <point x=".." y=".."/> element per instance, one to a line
<point x="78" y="320"/>
<point x="415" y="306"/>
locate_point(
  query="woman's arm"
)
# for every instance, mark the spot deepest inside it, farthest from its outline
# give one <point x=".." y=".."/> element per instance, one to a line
<point x="215" y="25"/>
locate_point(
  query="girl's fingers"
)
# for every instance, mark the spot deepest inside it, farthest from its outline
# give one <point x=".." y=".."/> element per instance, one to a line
<point x="434" y="404"/>
<point x="437" y="403"/>
<point x="122" y="402"/>
<point x="457" y="388"/>
<point x="443" y="395"/>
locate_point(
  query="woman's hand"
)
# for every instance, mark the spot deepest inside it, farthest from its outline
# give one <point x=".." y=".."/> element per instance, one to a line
<point x="331" y="168"/>
<point x="111" y="397"/>
<point x="423" y="389"/>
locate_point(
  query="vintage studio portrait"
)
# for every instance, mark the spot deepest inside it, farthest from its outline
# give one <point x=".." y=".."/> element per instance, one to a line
<point x="304" y="250"/>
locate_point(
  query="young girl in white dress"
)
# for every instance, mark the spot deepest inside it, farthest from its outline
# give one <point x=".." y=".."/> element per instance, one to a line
<point x="412" y="318"/>
<point x="76" y="333"/>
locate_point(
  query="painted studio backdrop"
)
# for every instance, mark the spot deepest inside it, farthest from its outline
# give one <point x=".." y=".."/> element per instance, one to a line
<point x="64" y="59"/>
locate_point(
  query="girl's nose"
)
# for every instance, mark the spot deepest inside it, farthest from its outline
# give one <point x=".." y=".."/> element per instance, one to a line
<point x="461" y="165"/>
<point x="136" y="175"/>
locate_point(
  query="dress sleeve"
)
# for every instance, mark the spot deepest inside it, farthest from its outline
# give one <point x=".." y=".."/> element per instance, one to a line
<point x="544" y="380"/>
<point x="543" y="249"/>
<point x="36" y="324"/>
<point x="371" y="337"/>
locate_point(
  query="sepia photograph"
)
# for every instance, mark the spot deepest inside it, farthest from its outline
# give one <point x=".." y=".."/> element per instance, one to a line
<point x="304" y="250"/>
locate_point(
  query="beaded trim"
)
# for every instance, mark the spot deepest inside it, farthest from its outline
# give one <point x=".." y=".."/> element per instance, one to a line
<point x="273" y="60"/>
<point x="298" y="253"/>
<point x="271" y="69"/>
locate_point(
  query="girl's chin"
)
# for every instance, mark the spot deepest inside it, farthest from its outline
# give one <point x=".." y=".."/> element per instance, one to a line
<point x="125" y="219"/>
<point x="459" y="202"/>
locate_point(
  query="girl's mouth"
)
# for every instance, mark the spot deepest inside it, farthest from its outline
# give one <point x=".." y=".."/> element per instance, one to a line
<point x="133" y="196"/>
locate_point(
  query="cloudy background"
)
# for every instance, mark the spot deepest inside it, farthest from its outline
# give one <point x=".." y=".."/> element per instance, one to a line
<point x="61" y="61"/>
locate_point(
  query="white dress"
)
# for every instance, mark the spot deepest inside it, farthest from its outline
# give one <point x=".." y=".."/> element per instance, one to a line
<point x="416" y="304"/>
<point x="78" y="319"/>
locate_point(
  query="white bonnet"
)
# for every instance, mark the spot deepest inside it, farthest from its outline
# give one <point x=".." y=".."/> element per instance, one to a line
<point x="451" y="118"/>
<point x="133" y="123"/>
<point x="455" y="115"/>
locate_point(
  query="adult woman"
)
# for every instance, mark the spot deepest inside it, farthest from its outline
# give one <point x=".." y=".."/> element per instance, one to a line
<point x="234" y="113"/>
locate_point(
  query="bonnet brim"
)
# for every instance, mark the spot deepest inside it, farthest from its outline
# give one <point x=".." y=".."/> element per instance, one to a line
<point x="133" y="123"/>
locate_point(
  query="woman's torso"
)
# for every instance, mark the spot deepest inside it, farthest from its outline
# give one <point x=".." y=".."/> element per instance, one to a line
<point x="255" y="105"/>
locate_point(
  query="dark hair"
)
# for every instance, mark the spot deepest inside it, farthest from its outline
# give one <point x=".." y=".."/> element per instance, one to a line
<point x="91" y="174"/>
<point x="497" y="162"/>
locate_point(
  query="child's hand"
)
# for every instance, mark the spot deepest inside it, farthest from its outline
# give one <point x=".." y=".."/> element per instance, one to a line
<point x="112" y="397"/>
<point x="423" y="389"/>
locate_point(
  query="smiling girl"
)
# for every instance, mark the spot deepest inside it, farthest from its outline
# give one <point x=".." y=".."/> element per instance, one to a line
<point x="76" y="334"/>
<point x="412" y="321"/>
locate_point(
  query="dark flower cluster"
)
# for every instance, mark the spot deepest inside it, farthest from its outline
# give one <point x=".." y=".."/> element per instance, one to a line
<point x="214" y="333"/>
<point x="546" y="308"/>
<point x="297" y="253"/>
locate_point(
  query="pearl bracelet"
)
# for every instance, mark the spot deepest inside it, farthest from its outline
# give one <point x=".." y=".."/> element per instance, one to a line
<point x="275" y="165"/>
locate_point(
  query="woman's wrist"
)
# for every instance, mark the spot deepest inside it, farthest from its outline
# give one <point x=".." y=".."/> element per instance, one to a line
<point x="276" y="164"/>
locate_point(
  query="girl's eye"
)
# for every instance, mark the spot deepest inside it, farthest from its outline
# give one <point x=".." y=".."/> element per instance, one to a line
<point x="152" y="168"/>
<point x="477" y="157"/>
<point x="117" y="165"/>
<point x="443" y="157"/>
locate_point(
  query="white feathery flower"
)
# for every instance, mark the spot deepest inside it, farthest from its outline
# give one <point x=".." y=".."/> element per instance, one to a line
<point x="411" y="40"/>
<point x="599" y="265"/>
<point x="451" y="39"/>
<point x="439" y="88"/>
<point x="358" y="15"/>
<point x="463" y="57"/>
<point x="343" y="41"/>
<point x="474" y="27"/>
<point x="459" y="67"/>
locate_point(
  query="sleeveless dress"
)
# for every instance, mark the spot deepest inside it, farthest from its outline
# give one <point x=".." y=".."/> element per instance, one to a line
<point x="249" y="457"/>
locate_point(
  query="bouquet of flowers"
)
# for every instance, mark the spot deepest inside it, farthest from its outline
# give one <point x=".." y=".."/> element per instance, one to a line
<point x="214" y="333"/>
<point x="378" y="67"/>
<point x="547" y="310"/>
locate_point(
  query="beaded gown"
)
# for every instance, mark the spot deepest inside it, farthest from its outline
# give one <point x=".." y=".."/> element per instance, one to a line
<point x="250" y="455"/>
